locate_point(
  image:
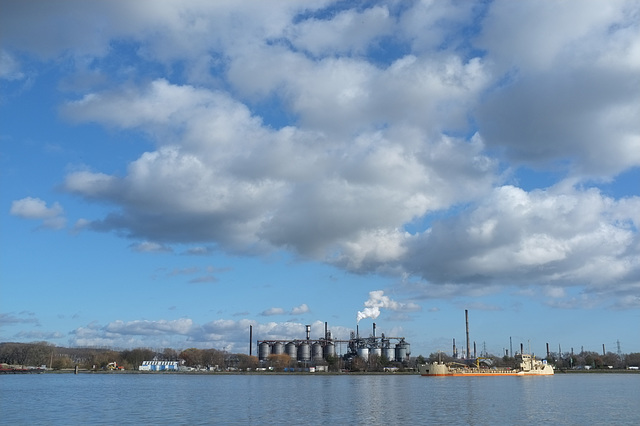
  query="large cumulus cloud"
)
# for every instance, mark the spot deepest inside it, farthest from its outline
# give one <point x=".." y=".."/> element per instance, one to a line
<point x="386" y="116"/>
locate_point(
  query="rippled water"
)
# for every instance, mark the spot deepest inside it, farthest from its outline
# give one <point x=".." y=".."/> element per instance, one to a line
<point x="576" y="399"/>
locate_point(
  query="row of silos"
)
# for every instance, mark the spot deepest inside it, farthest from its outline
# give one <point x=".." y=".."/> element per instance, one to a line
<point x="297" y="350"/>
<point x="400" y="352"/>
<point x="318" y="350"/>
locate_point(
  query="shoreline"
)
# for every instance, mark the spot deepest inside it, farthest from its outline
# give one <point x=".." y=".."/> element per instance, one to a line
<point x="301" y="373"/>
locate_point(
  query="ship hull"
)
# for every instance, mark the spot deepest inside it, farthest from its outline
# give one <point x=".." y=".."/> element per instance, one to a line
<point x="487" y="374"/>
<point x="528" y="366"/>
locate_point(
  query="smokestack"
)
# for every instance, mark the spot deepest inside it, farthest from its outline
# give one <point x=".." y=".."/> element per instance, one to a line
<point x="547" y="350"/>
<point x="474" y="350"/>
<point x="466" y="317"/>
<point x="308" y="332"/>
<point x="250" y="339"/>
<point x="357" y="331"/>
<point x="326" y="331"/>
<point x="603" y="352"/>
<point x="374" y="329"/>
<point x="521" y="348"/>
<point x="454" y="348"/>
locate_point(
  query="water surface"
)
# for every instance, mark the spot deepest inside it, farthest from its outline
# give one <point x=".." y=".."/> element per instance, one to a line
<point x="571" y="399"/>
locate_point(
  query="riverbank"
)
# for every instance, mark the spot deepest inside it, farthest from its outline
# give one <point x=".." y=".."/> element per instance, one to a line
<point x="301" y="373"/>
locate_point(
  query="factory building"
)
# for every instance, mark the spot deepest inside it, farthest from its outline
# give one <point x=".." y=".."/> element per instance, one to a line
<point x="312" y="351"/>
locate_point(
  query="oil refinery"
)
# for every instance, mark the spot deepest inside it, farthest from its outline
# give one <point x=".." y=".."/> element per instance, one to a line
<point x="310" y="351"/>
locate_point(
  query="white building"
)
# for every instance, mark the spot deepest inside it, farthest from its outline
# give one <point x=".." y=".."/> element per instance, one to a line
<point x="159" y="366"/>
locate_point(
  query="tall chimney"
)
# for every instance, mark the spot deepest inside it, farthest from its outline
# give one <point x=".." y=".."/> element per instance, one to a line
<point x="474" y="350"/>
<point x="374" y="329"/>
<point x="326" y="331"/>
<point x="547" y="350"/>
<point x="308" y="332"/>
<point x="250" y="339"/>
<point x="603" y="352"/>
<point x="521" y="348"/>
<point x="466" y="317"/>
<point x="454" y="348"/>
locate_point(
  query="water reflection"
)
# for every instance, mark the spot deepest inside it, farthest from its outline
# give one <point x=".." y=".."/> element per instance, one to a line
<point x="318" y="399"/>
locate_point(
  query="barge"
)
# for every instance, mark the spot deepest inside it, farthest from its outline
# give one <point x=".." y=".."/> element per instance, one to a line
<point x="528" y="365"/>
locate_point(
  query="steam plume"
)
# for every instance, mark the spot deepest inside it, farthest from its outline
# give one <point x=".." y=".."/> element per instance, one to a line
<point x="378" y="300"/>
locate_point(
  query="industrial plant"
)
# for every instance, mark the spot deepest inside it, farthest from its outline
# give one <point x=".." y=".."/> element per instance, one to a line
<point x="316" y="351"/>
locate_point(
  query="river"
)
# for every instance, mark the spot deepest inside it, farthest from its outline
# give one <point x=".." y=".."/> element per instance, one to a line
<point x="184" y="399"/>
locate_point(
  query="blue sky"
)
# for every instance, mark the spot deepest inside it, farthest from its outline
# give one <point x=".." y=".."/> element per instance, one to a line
<point x="174" y="172"/>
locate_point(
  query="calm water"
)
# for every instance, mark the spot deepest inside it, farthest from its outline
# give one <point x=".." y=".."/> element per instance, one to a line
<point x="577" y="399"/>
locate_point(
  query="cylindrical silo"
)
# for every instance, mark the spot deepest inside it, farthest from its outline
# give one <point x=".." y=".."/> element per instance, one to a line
<point x="329" y="350"/>
<point x="363" y="353"/>
<point x="304" y="352"/>
<point x="277" y="348"/>
<point x="401" y="352"/>
<point x="291" y="350"/>
<point x="264" y="350"/>
<point x="316" y="351"/>
<point x="407" y="346"/>
<point x="376" y="352"/>
<point x="389" y="353"/>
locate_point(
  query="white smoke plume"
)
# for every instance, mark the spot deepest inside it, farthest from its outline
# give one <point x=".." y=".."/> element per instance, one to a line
<point x="378" y="300"/>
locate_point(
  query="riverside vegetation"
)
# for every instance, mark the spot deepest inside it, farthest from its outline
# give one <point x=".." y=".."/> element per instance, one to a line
<point x="60" y="358"/>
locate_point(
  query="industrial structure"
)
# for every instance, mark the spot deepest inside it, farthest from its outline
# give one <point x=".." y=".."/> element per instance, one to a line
<point x="312" y="351"/>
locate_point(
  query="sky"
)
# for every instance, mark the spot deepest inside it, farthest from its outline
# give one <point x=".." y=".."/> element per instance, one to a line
<point x="174" y="172"/>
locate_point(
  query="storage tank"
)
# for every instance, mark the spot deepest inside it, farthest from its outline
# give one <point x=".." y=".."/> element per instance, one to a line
<point x="407" y="346"/>
<point x="389" y="353"/>
<point x="264" y="350"/>
<point x="329" y="350"/>
<point x="363" y="353"/>
<point x="291" y="350"/>
<point x="277" y="348"/>
<point x="316" y="351"/>
<point x="401" y="352"/>
<point x="304" y="352"/>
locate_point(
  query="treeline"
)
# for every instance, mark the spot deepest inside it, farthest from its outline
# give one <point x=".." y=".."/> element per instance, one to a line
<point x="592" y="359"/>
<point x="566" y="360"/>
<point x="43" y="353"/>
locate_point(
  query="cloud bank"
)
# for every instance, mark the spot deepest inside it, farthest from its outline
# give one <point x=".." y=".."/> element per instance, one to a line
<point x="383" y="139"/>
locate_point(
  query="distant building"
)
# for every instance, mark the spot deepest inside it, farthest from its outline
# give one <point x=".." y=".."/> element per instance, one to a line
<point x="159" y="366"/>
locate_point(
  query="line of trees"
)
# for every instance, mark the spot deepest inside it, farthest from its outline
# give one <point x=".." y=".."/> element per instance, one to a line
<point x="43" y="353"/>
<point x="565" y="360"/>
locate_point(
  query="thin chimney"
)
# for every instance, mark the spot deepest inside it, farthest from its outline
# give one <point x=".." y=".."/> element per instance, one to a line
<point x="466" y="316"/>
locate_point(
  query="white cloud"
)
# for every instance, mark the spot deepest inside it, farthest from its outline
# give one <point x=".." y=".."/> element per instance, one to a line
<point x="9" y="67"/>
<point x="298" y="310"/>
<point x="11" y="318"/>
<point x="371" y="145"/>
<point x="143" y="327"/>
<point x="230" y="335"/>
<point x="272" y="311"/>
<point x="568" y="92"/>
<point x="347" y="32"/>
<point x="35" y="208"/>
<point x="150" y="247"/>
<point x="541" y="237"/>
